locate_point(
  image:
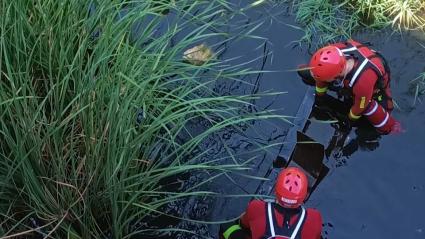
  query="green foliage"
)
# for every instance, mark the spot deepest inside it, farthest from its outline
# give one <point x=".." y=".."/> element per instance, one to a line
<point x="71" y="85"/>
<point x="324" y="20"/>
<point x="332" y="20"/>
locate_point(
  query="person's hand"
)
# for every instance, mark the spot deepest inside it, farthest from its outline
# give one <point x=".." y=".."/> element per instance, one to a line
<point x="397" y="128"/>
<point x="392" y="128"/>
<point x="319" y="100"/>
<point x="346" y="124"/>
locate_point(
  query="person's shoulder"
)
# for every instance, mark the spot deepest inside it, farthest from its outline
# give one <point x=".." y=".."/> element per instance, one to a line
<point x="255" y="208"/>
<point x="314" y="215"/>
<point x="256" y="204"/>
<point x="313" y="211"/>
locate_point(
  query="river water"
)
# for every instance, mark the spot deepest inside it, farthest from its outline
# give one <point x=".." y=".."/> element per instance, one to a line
<point x="374" y="188"/>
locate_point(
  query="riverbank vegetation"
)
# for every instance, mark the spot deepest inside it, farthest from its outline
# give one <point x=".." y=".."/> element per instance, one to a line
<point x="325" y="21"/>
<point x="96" y="108"/>
<point x="331" y="20"/>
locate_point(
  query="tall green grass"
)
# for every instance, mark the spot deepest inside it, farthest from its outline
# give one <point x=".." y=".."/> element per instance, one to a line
<point x="333" y="20"/>
<point x="72" y="84"/>
<point x="324" y="21"/>
<point x="403" y="15"/>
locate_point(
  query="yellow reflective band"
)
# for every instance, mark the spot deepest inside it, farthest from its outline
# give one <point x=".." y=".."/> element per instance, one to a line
<point x="321" y="90"/>
<point x="231" y="230"/>
<point x="353" y="116"/>
<point x="362" y="102"/>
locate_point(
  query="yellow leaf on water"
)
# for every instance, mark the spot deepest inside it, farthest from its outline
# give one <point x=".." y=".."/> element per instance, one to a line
<point x="198" y="55"/>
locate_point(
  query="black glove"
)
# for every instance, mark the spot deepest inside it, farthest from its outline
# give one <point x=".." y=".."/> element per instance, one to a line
<point x="345" y="124"/>
<point x="320" y="101"/>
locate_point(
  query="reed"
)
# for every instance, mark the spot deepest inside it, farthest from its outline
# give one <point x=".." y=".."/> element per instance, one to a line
<point x="95" y="109"/>
<point x="331" y="20"/>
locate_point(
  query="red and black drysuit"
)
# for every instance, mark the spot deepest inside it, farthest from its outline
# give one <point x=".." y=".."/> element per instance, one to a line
<point x="369" y="84"/>
<point x="264" y="220"/>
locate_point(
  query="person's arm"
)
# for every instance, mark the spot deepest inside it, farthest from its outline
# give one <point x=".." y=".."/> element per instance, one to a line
<point x="245" y="217"/>
<point x="389" y="103"/>
<point x="251" y="212"/>
<point x="319" y="226"/>
<point x="362" y="91"/>
<point x="240" y="229"/>
<point x="321" y="88"/>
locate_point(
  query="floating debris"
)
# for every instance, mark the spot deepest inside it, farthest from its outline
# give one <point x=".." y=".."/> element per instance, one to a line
<point x="198" y="55"/>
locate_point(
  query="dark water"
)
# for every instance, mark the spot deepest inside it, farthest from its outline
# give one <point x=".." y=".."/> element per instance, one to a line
<point x="375" y="187"/>
<point x="379" y="193"/>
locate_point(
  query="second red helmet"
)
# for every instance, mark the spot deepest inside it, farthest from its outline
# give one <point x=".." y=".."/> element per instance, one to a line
<point x="291" y="187"/>
<point x="327" y="63"/>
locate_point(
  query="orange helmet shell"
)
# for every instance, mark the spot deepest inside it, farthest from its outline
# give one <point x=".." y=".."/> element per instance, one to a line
<point x="327" y="63"/>
<point x="291" y="187"/>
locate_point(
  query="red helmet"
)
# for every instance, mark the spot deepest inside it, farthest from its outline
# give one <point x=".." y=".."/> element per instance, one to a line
<point x="327" y="63"/>
<point x="291" y="187"/>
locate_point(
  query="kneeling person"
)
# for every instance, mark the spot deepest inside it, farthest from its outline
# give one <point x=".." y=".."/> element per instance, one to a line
<point x="364" y="73"/>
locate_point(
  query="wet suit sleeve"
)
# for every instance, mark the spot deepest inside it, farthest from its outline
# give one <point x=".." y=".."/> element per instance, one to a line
<point x="321" y="88"/>
<point x="253" y="219"/>
<point x="362" y="91"/>
<point x="249" y="212"/>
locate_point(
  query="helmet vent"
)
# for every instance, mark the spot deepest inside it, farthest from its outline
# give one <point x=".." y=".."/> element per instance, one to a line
<point x="291" y="187"/>
<point x="325" y="58"/>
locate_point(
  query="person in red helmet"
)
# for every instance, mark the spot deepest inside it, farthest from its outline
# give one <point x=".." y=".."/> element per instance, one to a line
<point x="362" y="72"/>
<point x="282" y="219"/>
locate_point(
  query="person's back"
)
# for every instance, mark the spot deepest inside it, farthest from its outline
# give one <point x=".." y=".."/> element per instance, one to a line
<point x="259" y="219"/>
<point x="283" y="218"/>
